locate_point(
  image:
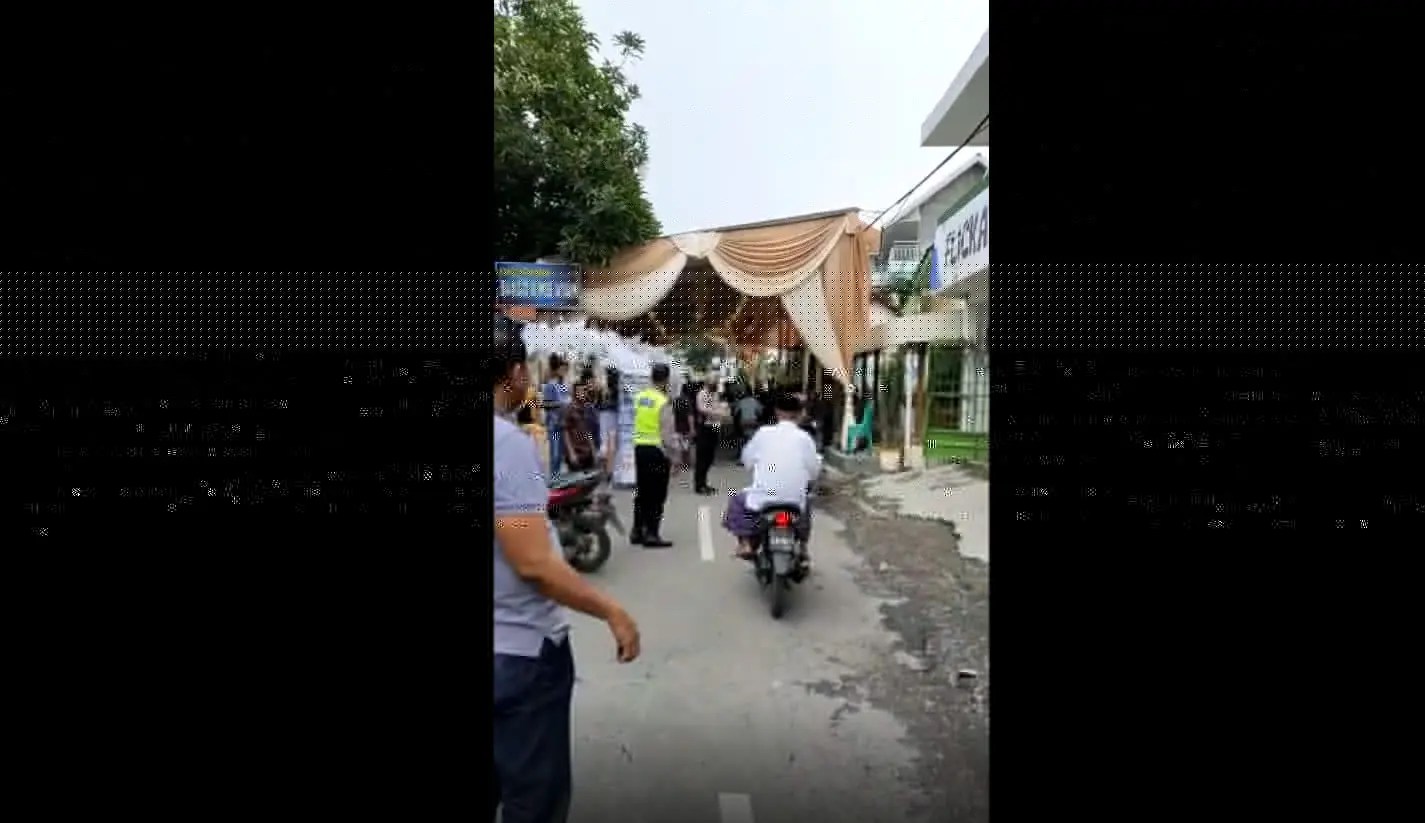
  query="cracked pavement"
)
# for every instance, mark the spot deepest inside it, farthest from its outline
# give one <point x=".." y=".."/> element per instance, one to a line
<point x="867" y="701"/>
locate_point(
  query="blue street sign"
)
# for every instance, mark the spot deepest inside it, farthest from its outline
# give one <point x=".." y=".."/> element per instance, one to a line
<point x="538" y="285"/>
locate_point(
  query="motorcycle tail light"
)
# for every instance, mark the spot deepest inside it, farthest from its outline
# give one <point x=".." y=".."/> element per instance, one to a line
<point x="781" y="520"/>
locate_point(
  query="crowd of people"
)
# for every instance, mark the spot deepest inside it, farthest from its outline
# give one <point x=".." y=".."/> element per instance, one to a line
<point x="575" y="425"/>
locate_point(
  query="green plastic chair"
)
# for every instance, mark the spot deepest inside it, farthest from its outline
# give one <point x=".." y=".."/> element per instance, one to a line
<point x="860" y="430"/>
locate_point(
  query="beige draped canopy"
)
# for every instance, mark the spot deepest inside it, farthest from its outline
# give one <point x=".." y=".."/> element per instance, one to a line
<point x="811" y="271"/>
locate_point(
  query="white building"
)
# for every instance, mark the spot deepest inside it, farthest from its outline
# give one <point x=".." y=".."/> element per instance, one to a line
<point x="944" y="228"/>
<point x="963" y="105"/>
<point x="961" y="246"/>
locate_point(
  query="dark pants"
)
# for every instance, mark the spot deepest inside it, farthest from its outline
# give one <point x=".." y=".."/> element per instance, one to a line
<point x="533" y="775"/>
<point x="707" y="450"/>
<point x="650" y="491"/>
<point x="556" y="450"/>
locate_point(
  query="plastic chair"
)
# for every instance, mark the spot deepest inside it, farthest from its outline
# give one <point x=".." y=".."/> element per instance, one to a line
<point x="859" y="430"/>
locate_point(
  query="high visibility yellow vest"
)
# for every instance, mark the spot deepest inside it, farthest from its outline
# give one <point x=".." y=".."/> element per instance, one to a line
<point x="647" y="416"/>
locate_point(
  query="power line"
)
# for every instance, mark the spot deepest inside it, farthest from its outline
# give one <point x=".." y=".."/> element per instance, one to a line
<point x="984" y="123"/>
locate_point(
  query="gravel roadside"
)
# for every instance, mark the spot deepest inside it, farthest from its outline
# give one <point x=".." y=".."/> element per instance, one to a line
<point x="937" y="678"/>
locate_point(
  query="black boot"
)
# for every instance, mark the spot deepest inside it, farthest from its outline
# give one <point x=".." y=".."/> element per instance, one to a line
<point x="655" y="542"/>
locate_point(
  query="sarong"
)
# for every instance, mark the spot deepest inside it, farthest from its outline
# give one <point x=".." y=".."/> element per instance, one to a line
<point x="742" y="521"/>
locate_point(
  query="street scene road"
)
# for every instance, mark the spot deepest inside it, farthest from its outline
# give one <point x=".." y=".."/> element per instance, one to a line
<point x="867" y="701"/>
<point x="687" y="297"/>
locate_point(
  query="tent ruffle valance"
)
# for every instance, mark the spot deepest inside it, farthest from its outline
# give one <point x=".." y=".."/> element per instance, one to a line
<point x="817" y="267"/>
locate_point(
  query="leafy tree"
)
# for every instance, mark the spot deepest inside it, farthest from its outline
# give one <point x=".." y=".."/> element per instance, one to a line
<point x="566" y="159"/>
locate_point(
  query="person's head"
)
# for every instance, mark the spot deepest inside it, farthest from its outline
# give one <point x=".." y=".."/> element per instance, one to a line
<point x="503" y="367"/>
<point x="788" y="406"/>
<point x="558" y="367"/>
<point x="583" y="390"/>
<point x="659" y="375"/>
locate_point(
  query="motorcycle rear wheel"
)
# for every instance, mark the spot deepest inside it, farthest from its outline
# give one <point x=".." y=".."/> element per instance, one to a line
<point x="780" y="589"/>
<point x="593" y="559"/>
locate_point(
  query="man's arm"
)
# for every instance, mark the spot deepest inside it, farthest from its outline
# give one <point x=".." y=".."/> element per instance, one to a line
<point x="522" y="528"/>
<point x="525" y="541"/>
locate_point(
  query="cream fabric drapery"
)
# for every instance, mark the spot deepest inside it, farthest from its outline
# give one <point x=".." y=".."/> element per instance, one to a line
<point x="817" y="267"/>
<point x="772" y="260"/>
<point x="633" y="282"/>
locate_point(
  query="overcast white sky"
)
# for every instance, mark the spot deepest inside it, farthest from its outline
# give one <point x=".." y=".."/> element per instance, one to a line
<point x="760" y="109"/>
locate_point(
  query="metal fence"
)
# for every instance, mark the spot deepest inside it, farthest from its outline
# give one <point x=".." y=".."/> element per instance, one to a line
<point x="950" y="416"/>
<point x="956" y="420"/>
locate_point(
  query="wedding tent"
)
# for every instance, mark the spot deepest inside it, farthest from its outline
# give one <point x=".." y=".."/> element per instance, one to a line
<point x="802" y="278"/>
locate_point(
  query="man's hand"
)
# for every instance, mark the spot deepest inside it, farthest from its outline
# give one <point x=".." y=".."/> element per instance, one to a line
<point x="625" y="633"/>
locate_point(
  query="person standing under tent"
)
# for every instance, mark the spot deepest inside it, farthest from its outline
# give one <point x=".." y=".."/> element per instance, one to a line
<point x="556" y="400"/>
<point x="709" y="427"/>
<point x="607" y="407"/>
<point x="684" y="410"/>
<point x="655" y="444"/>
<point x="580" y="445"/>
<point x="591" y="419"/>
<point x="749" y="416"/>
<point x="765" y="398"/>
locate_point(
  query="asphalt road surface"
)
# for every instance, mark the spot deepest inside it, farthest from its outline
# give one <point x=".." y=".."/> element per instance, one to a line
<point x="730" y="716"/>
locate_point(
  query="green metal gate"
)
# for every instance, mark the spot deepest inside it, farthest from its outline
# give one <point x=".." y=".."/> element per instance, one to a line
<point x="956" y="422"/>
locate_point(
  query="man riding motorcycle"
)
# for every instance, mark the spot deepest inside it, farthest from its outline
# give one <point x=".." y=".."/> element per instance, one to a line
<point x="784" y="463"/>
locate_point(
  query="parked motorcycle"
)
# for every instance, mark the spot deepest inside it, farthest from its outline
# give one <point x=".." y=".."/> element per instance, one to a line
<point x="781" y="554"/>
<point x="581" y="515"/>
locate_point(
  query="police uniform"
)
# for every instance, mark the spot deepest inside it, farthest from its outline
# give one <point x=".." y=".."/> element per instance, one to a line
<point x="652" y="466"/>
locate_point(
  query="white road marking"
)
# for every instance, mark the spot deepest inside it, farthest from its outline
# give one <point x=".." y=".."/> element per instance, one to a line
<point x="705" y="538"/>
<point x="734" y="808"/>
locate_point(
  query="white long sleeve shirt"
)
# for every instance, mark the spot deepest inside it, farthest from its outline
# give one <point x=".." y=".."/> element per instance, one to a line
<point x="784" y="464"/>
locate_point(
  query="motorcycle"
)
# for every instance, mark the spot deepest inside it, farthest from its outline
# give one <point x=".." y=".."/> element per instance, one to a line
<point x="581" y="516"/>
<point x="781" y="554"/>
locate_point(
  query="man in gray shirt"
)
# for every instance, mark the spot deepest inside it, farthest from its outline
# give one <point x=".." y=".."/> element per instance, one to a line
<point x="534" y="666"/>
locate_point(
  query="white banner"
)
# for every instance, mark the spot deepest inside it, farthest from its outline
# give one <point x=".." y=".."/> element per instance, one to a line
<point x="962" y="243"/>
<point x="625" y="470"/>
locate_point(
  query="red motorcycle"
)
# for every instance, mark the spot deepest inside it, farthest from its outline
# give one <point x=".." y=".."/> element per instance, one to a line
<point x="581" y="515"/>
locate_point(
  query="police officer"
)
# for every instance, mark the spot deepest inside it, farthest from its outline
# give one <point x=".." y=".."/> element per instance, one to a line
<point x="655" y="442"/>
